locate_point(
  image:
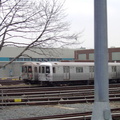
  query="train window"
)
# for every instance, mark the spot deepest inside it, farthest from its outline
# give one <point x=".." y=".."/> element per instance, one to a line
<point x="114" y="68"/>
<point x="47" y="69"/>
<point x="29" y="69"/>
<point x="39" y="69"/>
<point x="23" y="69"/>
<point x="79" y="69"/>
<point x="91" y="68"/>
<point x="35" y="69"/>
<point x="54" y="71"/>
<point x="43" y="69"/>
<point x="66" y="69"/>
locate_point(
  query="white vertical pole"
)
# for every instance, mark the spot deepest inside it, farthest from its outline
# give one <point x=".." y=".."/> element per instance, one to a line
<point x="101" y="109"/>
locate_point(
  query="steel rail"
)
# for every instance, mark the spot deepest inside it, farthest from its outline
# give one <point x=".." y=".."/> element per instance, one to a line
<point x="53" y="93"/>
<point x="52" y="101"/>
<point x="73" y="116"/>
<point x="53" y="97"/>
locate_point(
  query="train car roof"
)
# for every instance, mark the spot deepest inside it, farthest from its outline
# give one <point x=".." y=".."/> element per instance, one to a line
<point x="31" y="63"/>
<point x="75" y="63"/>
<point x="67" y="63"/>
<point x="114" y="63"/>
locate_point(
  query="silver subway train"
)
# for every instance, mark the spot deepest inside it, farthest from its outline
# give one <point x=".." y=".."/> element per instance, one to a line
<point x="30" y="72"/>
<point x="57" y="73"/>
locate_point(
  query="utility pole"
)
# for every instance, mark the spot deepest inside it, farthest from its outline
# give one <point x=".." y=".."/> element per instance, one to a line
<point x="101" y="108"/>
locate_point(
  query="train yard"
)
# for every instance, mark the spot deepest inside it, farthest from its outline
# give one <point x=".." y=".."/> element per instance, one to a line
<point x="39" y="96"/>
<point x="53" y="96"/>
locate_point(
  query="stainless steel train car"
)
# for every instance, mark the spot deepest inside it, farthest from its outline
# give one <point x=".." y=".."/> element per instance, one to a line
<point x="71" y="73"/>
<point x="74" y="72"/>
<point x="30" y="72"/>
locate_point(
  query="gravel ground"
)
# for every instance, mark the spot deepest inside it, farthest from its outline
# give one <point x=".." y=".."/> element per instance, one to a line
<point x="14" y="112"/>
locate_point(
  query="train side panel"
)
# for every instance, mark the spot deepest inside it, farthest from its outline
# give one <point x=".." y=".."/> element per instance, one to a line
<point x="79" y="73"/>
<point x="118" y="72"/>
<point x="58" y="73"/>
<point x="72" y="73"/>
<point x="114" y="72"/>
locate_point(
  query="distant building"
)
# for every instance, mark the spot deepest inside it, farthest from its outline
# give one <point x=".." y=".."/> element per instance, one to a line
<point x="36" y="54"/>
<point x="88" y="55"/>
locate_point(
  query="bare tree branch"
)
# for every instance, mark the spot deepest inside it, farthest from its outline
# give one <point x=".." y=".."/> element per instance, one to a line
<point x="43" y="25"/>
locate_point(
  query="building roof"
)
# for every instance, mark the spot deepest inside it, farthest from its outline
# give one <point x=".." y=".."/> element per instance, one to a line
<point x="38" y="52"/>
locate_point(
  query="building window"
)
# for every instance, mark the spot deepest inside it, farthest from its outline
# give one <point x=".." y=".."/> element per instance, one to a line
<point x="91" y="56"/>
<point x="10" y="59"/>
<point x="115" y="56"/>
<point x="20" y="59"/>
<point x="26" y="59"/>
<point x="34" y="59"/>
<point x="82" y="56"/>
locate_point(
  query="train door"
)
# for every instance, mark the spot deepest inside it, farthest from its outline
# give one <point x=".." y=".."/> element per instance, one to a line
<point x="118" y="71"/>
<point x="91" y="72"/>
<point x="66" y="72"/>
<point x="30" y="72"/>
<point x="113" y="72"/>
<point x="42" y="75"/>
<point x="35" y="73"/>
<point x="27" y="72"/>
<point x="24" y="73"/>
<point x="45" y="74"/>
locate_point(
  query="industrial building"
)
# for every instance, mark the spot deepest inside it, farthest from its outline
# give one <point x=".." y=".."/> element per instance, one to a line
<point x="88" y="55"/>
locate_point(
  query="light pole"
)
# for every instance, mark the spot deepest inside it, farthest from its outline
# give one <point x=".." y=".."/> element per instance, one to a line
<point x="101" y="109"/>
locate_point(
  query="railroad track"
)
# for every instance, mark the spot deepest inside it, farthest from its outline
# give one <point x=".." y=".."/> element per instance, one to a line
<point x="73" y="116"/>
<point x="37" y="87"/>
<point x="36" y="97"/>
<point x="56" y="95"/>
<point x="50" y="101"/>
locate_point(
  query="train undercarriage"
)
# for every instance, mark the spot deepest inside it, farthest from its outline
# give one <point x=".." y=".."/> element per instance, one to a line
<point x="66" y="83"/>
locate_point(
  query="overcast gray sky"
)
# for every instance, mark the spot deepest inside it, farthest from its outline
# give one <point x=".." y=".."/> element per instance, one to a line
<point x="81" y="16"/>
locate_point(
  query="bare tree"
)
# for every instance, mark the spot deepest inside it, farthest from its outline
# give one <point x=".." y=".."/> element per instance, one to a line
<point x="34" y="24"/>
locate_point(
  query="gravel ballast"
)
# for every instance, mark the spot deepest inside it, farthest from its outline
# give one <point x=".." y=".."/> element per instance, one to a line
<point x="15" y="112"/>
